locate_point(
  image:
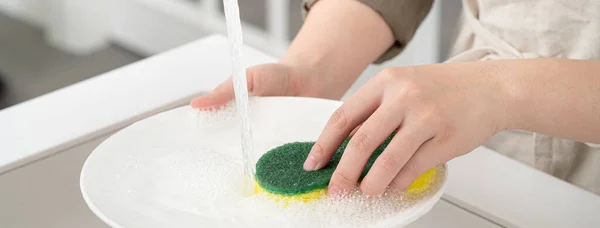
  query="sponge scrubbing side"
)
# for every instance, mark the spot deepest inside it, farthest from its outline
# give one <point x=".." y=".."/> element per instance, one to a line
<point x="280" y="170"/>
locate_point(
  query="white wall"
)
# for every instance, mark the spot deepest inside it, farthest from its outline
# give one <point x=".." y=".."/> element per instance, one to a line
<point x="78" y="27"/>
<point x="153" y="26"/>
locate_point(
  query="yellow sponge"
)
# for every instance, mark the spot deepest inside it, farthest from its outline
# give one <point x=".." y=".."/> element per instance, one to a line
<point x="420" y="185"/>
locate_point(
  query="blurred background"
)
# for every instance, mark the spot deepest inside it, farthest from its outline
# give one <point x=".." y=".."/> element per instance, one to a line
<point x="48" y="45"/>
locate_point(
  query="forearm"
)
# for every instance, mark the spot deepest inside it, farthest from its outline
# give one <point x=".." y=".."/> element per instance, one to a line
<point x="557" y="97"/>
<point x="340" y="38"/>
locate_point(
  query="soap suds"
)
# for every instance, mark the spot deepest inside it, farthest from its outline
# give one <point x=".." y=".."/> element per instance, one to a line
<point x="208" y="184"/>
<point x="196" y="178"/>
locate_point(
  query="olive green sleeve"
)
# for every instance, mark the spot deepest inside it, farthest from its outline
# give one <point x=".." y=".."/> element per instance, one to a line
<point x="402" y="16"/>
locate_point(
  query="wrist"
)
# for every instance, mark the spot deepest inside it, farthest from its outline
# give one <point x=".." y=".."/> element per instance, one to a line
<point x="512" y="113"/>
<point x="315" y="61"/>
<point x="338" y="39"/>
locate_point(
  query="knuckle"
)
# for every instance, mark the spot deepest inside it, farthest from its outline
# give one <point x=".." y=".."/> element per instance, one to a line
<point x="397" y="183"/>
<point x="410" y="91"/>
<point x="413" y="89"/>
<point x="431" y="113"/>
<point x="394" y="184"/>
<point x="447" y="134"/>
<point x="355" y="130"/>
<point x="317" y="151"/>
<point x="389" y="163"/>
<point x="339" y="120"/>
<point x="409" y="173"/>
<point x="385" y="76"/>
<point x="387" y="73"/>
<point x="397" y="72"/>
<point x="443" y="159"/>
<point x="342" y="178"/>
<point x="361" y="142"/>
<point x="411" y="170"/>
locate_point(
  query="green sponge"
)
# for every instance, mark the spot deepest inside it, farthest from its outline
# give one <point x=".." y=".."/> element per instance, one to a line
<point x="280" y="170"/>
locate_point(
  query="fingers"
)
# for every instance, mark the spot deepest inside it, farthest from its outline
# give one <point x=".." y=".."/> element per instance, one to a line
<point x="360" y="148"/>
<point x="398" y="152"/>
<point x="224" y="92"/>
<point x="263" y="80"/>
<point x="429" y="155"/>
<point x="218" y="97"/>
<point x="355" y="130"/>
<point x="353" y="112"/>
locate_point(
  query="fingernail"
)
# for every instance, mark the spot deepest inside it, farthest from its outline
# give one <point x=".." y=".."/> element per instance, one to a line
<point x="311" y="163"/>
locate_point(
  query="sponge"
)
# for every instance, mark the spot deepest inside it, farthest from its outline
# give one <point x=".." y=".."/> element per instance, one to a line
<point x="280" y="173"/>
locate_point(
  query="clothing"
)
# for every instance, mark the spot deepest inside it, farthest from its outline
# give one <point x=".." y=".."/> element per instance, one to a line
<point x="403" y="16"/>
<point x="517" y="29"/>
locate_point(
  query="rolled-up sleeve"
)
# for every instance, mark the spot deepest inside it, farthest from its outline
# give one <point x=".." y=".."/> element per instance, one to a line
<point x="402" y="16"/>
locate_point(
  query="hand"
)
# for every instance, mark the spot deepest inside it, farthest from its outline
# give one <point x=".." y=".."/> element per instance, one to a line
<point x="268" y="80"/>
<point x="438" y="111"/>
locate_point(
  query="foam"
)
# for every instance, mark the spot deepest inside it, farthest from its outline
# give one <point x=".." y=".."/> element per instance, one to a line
<point x="214" y="115"/>
<point x="218" y="195"/>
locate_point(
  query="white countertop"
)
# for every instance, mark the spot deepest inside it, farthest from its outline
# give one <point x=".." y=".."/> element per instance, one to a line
<point x="66" y="117"/>
<point x="483" y="182"/>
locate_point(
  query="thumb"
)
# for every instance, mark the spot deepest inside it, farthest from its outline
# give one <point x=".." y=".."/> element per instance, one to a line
<point x="218" y="97"/>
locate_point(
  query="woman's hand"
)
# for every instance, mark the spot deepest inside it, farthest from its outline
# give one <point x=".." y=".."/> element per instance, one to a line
<point x="439" y="112"/>
<point x="269" y="80"/>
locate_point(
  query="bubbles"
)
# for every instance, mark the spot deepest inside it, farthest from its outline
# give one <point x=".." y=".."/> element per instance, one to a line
<point x="354" y="209"/>
<point x="208" y="184"/>
<point x="214" y="115"/>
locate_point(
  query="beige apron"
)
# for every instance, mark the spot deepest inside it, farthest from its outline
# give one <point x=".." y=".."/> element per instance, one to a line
<point x="512" y="29"/>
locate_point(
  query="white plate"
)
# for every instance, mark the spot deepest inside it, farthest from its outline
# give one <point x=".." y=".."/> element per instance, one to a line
<point x="181" y="168"/>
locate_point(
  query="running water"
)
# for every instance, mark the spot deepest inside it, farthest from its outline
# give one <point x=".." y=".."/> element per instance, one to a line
<point x="234" y="32"/>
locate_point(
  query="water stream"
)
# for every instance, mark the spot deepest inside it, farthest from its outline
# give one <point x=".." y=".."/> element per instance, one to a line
<point x="234" y="33"/>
